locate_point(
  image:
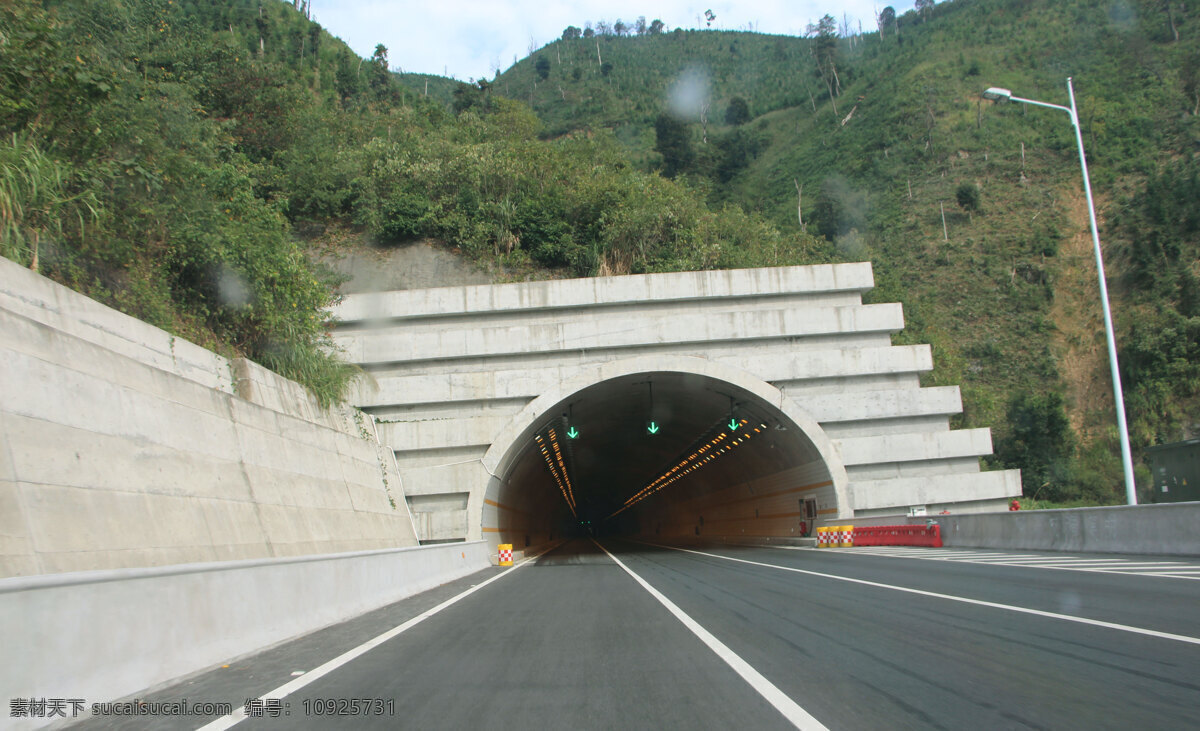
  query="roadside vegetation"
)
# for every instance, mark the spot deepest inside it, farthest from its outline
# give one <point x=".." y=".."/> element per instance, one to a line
<point x="159" y="156"/>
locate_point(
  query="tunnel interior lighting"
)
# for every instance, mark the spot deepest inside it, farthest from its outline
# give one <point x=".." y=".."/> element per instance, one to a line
<point x="722" y="443"/>
<point x="552" y="453"/>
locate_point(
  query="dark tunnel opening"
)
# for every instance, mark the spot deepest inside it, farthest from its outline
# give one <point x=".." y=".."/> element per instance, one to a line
<point x="667" y="454"/>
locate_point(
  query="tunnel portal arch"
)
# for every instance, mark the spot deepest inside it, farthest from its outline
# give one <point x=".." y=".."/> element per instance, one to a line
<point x="505" y="515"/>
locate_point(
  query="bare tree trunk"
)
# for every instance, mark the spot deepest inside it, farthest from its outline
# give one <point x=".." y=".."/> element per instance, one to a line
<point x="799" y="201"/>
<point x="1171" y="21"/>
<point x="945" y="233"/>
<point x="831" y="99"/>
<point x="599" y="61"/>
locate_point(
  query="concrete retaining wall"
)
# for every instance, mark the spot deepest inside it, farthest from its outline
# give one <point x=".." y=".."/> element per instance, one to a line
<point x="1168" y="529"/>
<point x="122" y="447"/>
<point x="143" y="627"/>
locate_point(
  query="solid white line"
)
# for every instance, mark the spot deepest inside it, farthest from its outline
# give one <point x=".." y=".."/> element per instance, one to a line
<point x="791" y="710"/>
<point x="1065" y="560"/>
<point x="964" y="600"/>
<point x="1069" y="563"/>
<point x="317" y="673"/>
<point x="1123" y="565"/>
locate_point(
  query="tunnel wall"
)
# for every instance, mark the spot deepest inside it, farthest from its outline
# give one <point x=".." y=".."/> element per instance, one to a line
<point x="768" y="506"/>
<point x="123" y="446"/>
<point x="516" y="517"/>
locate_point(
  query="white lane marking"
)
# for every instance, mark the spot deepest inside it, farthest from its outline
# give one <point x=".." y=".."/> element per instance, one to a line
<point x="1170" y="569"/>
<point x="791" y="710"/>
<point x="951" y="597"/>
<point x="315" y="674"/>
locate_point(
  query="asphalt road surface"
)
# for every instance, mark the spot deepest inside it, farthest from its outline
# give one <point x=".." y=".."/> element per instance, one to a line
<point x="737" y="637"/>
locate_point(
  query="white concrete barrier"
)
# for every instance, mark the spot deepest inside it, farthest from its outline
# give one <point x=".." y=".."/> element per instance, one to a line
<point x="103" y="635"/>
<point x="1166" y="529"/>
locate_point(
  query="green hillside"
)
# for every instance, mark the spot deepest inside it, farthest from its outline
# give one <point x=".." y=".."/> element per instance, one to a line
<point x="1003" y="285"/>
<point x="159" y="155"/>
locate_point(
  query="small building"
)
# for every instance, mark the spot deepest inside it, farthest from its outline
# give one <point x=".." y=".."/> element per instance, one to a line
<point x="1176" y="470"/>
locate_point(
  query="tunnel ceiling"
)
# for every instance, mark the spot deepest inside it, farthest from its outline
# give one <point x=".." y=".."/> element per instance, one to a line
<point x="614" y="456"/>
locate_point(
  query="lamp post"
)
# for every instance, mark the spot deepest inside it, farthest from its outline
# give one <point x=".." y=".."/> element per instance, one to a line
<point x="999" y="94"/>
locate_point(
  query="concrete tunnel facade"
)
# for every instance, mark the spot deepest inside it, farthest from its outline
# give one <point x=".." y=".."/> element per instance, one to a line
<point x="463" y="380"/>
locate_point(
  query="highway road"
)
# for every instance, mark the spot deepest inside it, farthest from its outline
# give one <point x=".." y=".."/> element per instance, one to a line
<point x="619" y="634"/>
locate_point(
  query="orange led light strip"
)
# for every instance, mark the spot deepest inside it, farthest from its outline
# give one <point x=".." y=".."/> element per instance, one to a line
<point x="563" y="481"/>
<point x="719" y="445"/>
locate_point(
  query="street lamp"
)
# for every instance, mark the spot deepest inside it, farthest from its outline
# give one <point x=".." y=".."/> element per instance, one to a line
<point x="998" y="94"/>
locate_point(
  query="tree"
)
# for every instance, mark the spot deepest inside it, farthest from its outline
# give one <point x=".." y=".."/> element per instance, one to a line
<point x="657" y="27"/>
<point x="738" y="111"/>
<point x="639" y="27"/>
<point x="1189" y="74"/>
<point x="378" y="71"/>
<point x="1040" y="443"/>
<point x="571" y="33"/>
<point x="672" y="141"/>
<point x="606" y="68"/>
<point x="620" y="28"/>
<point x="542" y="66"/>
<point x="924" y="7"/>
<point x="825" y="52"/>
<point x="887" y="19"/>
<point x="967" y="196"/>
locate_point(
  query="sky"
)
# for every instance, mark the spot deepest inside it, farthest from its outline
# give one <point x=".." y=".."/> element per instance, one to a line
<point x="472" y="39"/>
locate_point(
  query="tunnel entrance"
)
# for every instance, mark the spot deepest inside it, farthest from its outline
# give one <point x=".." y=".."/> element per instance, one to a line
<point x="685" y="448"/>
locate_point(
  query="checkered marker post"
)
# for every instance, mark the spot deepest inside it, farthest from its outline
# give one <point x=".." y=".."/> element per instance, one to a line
<point x="823" y="537"/>
<point x="505" y="554"/>
<point x="846" y="536"/>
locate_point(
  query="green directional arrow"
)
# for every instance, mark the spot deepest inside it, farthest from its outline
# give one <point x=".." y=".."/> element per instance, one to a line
<point x="572" y="432"/>
<point x="652" y="428"/>
<point x="733" y="424"/>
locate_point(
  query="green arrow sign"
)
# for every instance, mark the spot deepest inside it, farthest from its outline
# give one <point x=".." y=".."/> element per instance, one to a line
<point x="652" y="428"/>
<point x="733" y="424"/>
<point x="572" y="432"/>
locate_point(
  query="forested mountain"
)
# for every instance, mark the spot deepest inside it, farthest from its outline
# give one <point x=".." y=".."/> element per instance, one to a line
<point x="973" y="212"/>
<point x="159" y="155"/>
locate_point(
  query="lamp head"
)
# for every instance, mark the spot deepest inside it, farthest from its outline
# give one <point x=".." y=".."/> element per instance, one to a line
<point x="995" y="93"/>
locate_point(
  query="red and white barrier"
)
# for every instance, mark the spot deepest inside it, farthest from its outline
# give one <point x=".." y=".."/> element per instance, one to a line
<point x="898" y="535"/>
